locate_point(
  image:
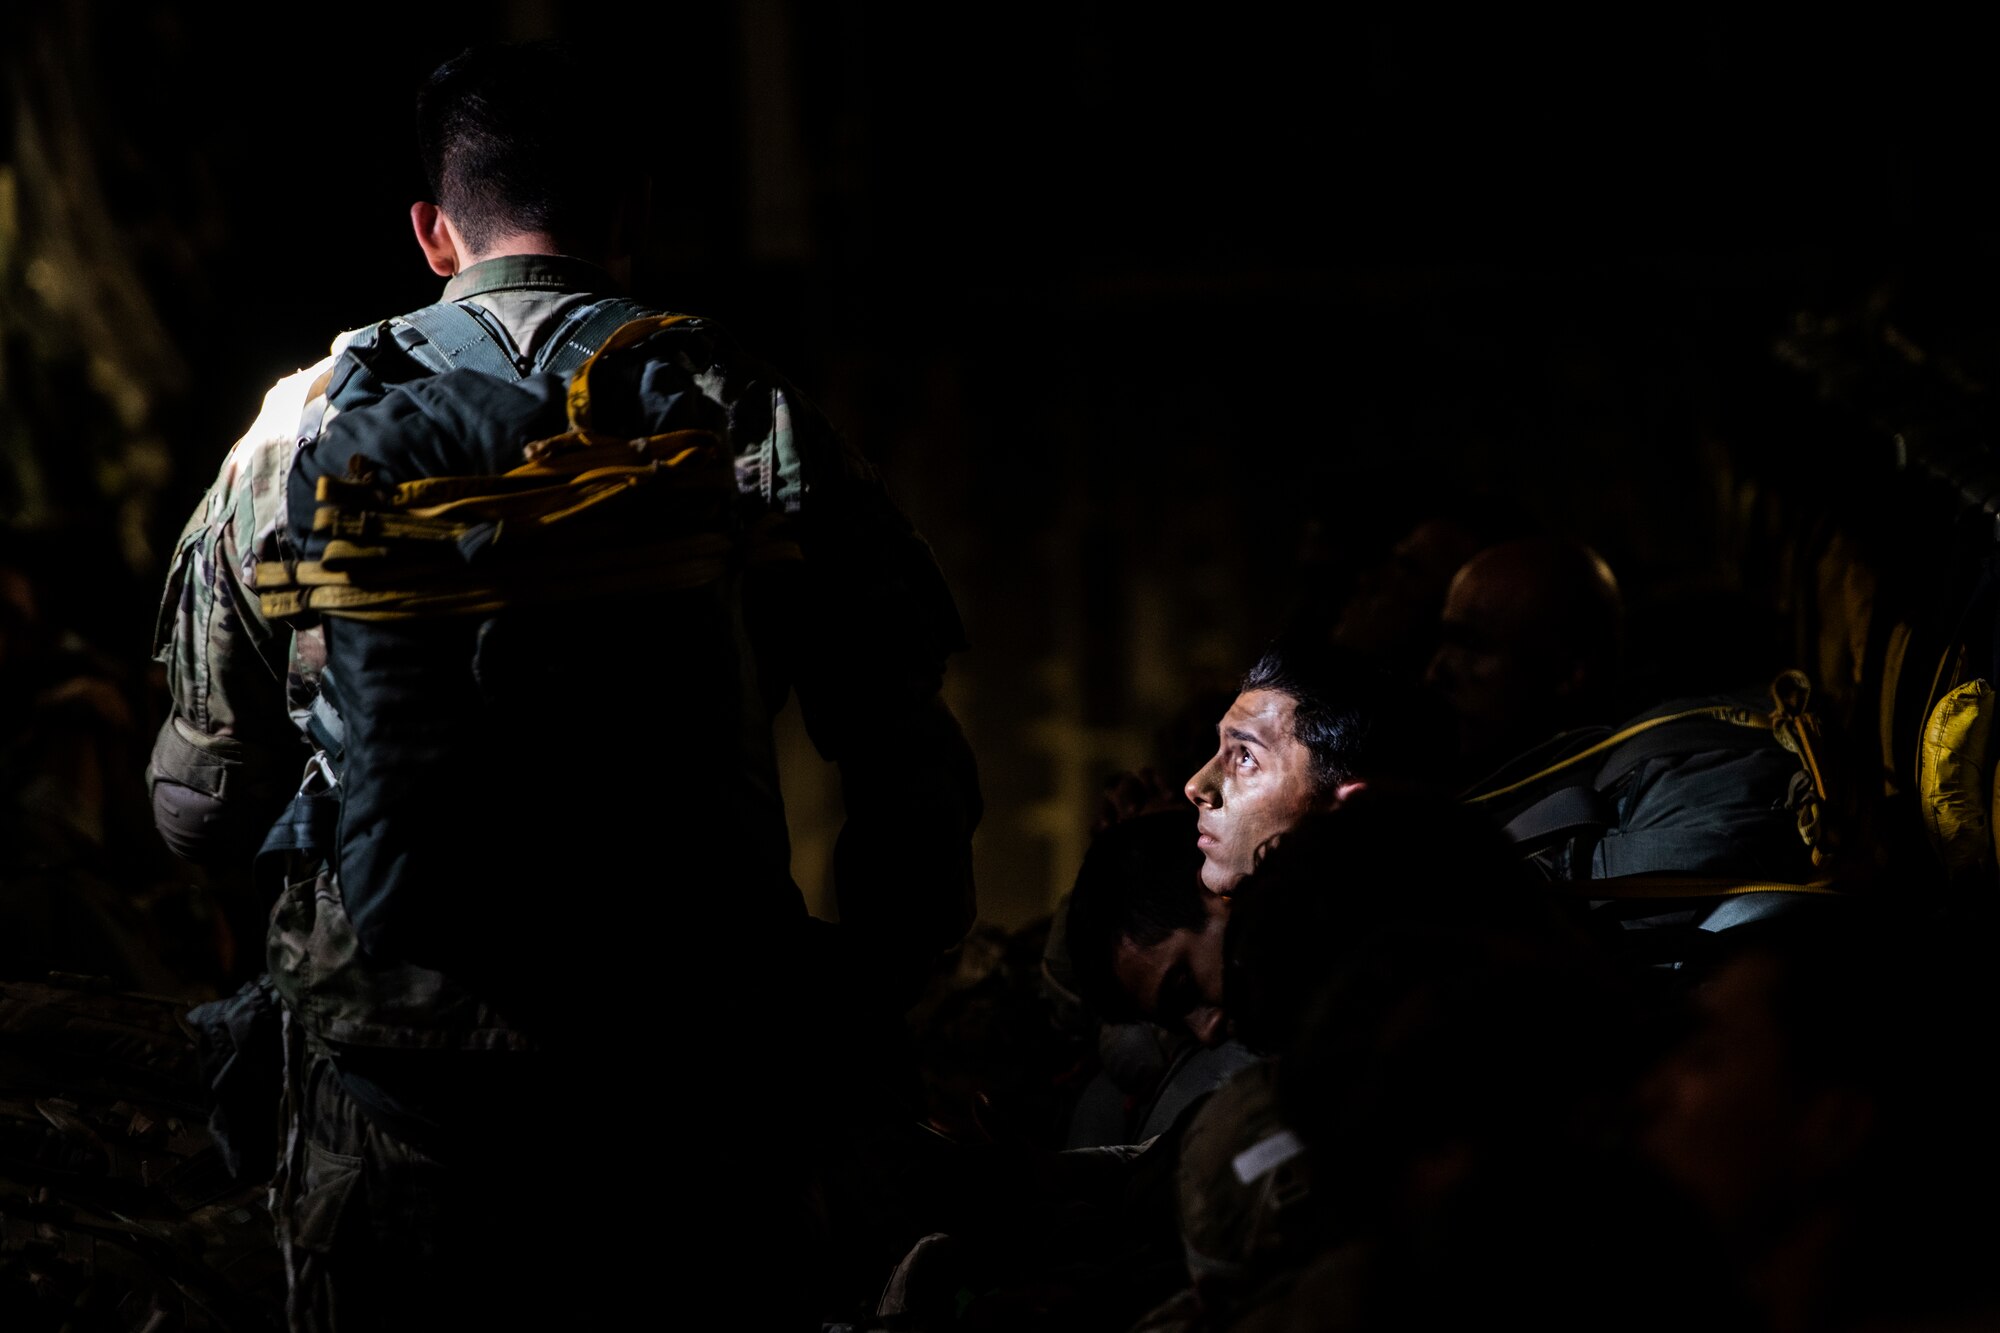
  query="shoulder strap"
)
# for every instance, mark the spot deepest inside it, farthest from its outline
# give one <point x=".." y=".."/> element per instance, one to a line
<point x="1561" y="814"/>
<point x="457" y="339"/>
<point x="1683" y="735"/>
<point x="583" y="331"/>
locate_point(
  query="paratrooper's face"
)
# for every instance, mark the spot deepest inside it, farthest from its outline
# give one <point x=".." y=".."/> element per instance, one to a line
<point x="1258" y="785"/>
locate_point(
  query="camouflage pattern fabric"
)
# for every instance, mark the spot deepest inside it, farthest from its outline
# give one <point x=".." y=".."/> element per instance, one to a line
<point x="1243" y="1177"/>
<point x="378" y="1234"/>
<point x="232" y="676"/>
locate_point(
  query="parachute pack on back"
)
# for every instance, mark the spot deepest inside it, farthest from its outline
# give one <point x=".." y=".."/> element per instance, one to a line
<point x="539" y="682"/>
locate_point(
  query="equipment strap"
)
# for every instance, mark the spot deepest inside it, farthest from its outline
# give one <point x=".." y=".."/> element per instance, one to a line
<point x="326" y="727"/>
<point x="669" y="566"/>
<point x="309" y="828"/>
<point x="542" y="506"/>
<point x="583" y="331"/>
<point x="459" y="336"/>
<point x="1562" y="813"/>
<point x="459" y="340"/>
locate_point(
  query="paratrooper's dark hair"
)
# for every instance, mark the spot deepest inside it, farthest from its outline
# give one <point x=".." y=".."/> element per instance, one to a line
<point x="1354" y="721"/>
<point x="516" y="138"/>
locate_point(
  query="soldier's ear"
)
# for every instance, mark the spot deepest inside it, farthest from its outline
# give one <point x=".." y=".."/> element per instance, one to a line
<point x="435" y="238"/>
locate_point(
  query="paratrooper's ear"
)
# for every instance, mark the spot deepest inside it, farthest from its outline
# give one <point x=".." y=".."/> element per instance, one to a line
<point x="435" y="238"/>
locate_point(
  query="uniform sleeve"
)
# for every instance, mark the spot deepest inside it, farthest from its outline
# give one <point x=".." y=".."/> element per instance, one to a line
<point x="870" y="626"/>
<point x="860" y="628"/>
<point x="228" y="755"/>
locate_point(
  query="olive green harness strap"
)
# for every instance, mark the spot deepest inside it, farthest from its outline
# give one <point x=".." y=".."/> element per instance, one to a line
<point x="579" y="337"/>
<point x="456" y="339"/>
<point x="458" y="335"/>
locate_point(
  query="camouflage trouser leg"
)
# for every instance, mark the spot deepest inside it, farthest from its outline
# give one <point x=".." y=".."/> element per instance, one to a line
<point x="378" y="1235"/>
<point x="319" y="1197"/>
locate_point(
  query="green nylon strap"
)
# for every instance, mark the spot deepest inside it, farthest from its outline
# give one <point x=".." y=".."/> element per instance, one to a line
<point x="583" y="331"/>
<point x="462" y="340"/>
<point x="457" y="336"/>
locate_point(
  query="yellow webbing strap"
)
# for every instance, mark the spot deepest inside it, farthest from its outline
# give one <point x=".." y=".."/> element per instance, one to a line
<point x="1795" y="725"/>
<point x="562" y="477"/>
<point x="540" y="506"/>
<point x="677" y="565"/>
<point x="401" y="589"/>
<point x="552" y="465"/>
<point x="1739" y="717"/>
<point x="625" y="335"/>
<point x="1690" y="886"/>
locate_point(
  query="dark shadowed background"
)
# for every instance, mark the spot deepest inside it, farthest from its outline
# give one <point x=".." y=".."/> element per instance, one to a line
<point x="1155" y="327"/>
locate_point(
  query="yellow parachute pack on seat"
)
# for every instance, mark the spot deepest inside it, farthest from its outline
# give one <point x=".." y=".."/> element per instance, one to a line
<point x="1954" y="778"/>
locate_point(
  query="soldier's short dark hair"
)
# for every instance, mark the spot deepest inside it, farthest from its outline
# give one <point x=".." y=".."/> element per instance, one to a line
<point x="1355" y="721"/>
<point x="515" y="137"/>
<point x="1140" y="880"/>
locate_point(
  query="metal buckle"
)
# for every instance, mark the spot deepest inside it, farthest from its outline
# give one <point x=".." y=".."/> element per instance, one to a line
<point x="321" y="767"/>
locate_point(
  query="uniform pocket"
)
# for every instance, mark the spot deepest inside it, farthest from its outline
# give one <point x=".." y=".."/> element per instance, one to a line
<point x="326" y="1196"/>
<point x="182" y="754"/>
<point x="176" y="597"/>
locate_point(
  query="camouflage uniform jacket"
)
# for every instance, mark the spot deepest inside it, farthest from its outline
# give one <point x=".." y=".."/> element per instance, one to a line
<point x="239" y="684"/>
<point x="873" y="625"/>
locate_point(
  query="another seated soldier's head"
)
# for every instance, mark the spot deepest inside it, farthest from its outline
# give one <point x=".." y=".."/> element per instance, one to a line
<point x="1529" y="644"/>
<point x="1390" y="859"/>
<point x="1825" y="1112"/>
<point x="1144" y="936"/>
<point x="1307" y="730"/>
<point x="1457" y="1062"/>
<point x="1390" y="615"/>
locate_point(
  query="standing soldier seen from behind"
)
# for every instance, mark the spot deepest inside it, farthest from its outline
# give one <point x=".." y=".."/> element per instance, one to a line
<point x="554" y="1019"/>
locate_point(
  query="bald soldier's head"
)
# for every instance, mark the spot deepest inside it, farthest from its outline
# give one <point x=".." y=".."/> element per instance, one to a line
<point x="1529" y="643"/>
